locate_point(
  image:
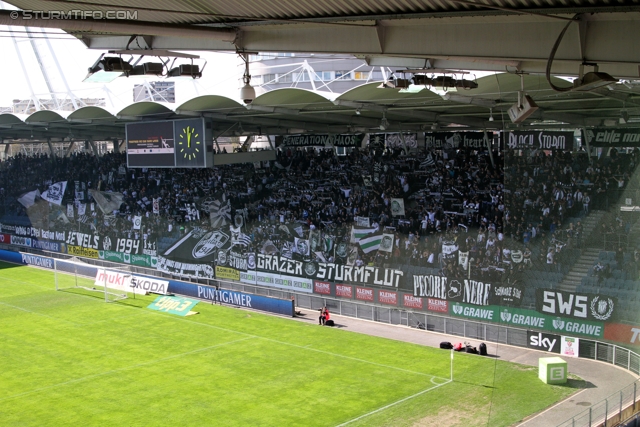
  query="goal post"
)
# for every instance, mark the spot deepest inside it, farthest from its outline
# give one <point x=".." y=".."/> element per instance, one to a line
<point x="74" y="275"/>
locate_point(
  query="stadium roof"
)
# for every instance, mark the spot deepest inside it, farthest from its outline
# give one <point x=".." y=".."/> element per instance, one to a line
<point x="361" y="109"/>
<point x="491" y="35"/>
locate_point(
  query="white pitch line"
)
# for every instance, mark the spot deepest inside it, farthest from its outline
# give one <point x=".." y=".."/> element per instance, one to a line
<point x="393" y="404"/>
<point x="101" y="374"/>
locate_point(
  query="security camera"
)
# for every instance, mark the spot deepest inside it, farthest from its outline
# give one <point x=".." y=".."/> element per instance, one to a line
<point x="247" y="94"/>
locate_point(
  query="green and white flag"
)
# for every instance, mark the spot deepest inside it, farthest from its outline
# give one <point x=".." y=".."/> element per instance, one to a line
<point x="370" y="243"/>
<point x="359" y="233"/>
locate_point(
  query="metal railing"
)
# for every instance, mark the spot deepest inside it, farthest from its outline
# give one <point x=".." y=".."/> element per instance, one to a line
<point x="609" y="412"/>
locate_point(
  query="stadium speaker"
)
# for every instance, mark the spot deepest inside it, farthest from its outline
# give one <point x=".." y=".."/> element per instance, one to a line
<point x="519" y="113"/>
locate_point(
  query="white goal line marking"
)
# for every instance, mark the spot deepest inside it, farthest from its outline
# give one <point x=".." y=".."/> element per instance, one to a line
<point x="112" y="371"/>
<point x="393" y="404"/>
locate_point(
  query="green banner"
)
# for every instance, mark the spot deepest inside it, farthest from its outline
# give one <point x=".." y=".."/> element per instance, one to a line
<point x="122" y="258"/>
<point x="143" y="260"/>
<point x="111" y="256"/>
<point x="528" y="319"/>
<point x="174" y="305"/>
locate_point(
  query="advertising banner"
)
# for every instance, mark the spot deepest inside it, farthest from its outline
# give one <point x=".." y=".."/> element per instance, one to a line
<point x="344" y="291"/>
<point x="5" y="238"/>
<point x="437" y="305"/>
<point x="142" y="260"/>
<point x="569" y="346"/>
<point x="321" y="287"/>
<point x="364" y="294"/>
<point x="46" y="245"/>
<point x="21" y="241"/>
<point x="607" y="137"/>
<point x="227" y="273"/>
<point x="487" y="313"/>
<point x="248" y="277"/>
<point x="82" y="252"/>
<point x="532" y="319"/>
<point x="290" y="283"/>
<point x="37" y="261"/>
<point x="256" y="302"/>
<point x="174" y="305"/>
<point x="542" y="341"/>
<point x="410" y="301"/>
<point x="625" y="334"/>
<point x="387" y="297"/>
<point x="116" y="280"/>
<point x="576" y="305"/>
<point x="151" y="285"/>
<point x="539" y="140"/>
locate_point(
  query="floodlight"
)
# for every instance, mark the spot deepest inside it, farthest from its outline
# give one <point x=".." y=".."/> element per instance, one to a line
<point x="148" y="69"/>
<point x="185" y="70"/>
<point x="106" y="69"/>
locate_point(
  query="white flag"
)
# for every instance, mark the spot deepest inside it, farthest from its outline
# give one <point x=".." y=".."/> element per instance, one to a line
<point x="55" y="193"/>
<point x="29" y="199"/>
<point x="463" y="259"/>
<point x="70" y="210"/>
<point x="137" y="222"/>
<point x="386" y="245"/>
<point x="156" y="206"/>
<point x="82" y="209"/>
<point x="397" y="207"/>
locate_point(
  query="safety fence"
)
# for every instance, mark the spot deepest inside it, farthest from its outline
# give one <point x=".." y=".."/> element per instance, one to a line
<point x="609" y="412"/>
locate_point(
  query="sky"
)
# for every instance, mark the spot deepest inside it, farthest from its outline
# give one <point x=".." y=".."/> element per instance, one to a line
<point x="220" y="77"/>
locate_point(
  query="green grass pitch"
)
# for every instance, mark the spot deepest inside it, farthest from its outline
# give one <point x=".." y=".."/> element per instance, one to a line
<point x="69" y="358"/>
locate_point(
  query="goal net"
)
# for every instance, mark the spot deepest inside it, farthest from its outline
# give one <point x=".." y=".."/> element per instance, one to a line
<point x="112" y="283"/>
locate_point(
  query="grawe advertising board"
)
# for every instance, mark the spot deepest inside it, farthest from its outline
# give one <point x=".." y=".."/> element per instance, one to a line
<point x="527" y="319"/>
<point x="240" y="299"/>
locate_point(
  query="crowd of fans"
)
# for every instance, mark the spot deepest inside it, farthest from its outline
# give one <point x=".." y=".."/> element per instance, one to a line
<point x="451" y="199"/>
